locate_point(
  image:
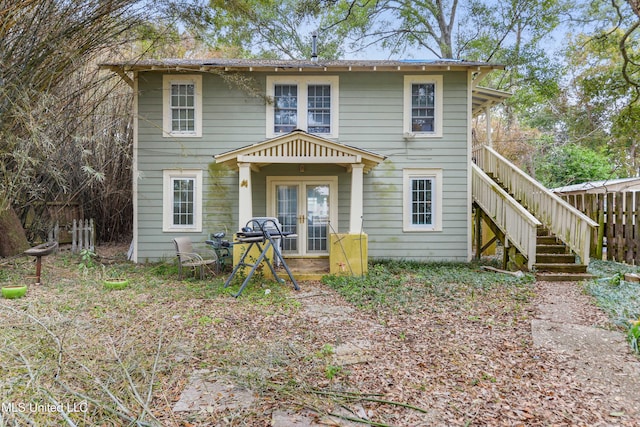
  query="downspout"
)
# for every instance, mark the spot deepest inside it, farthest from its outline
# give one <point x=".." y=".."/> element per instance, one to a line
<point x="470" y="85"/>
<point x="135" y="171"/>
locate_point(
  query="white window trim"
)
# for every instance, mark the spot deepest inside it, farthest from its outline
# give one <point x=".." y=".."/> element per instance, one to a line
<point x="167" y="81"/>
<point x="407" y="175"/>
<point x="303" y="83"/>
<point x="407" y="128"/>
<point x="167" y="200"/>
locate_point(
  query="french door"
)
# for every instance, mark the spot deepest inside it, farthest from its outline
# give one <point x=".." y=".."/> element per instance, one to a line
<point x="306" y="207"/>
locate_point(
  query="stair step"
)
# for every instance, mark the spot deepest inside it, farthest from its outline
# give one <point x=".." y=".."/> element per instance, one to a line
<point x="543" y="231"/>
<point x="547" y="240"/>
<point x="563" y="277"/>
<point x="551" y="249"/>
<point x="555" y="258"/>
<point x="560" y="268"/>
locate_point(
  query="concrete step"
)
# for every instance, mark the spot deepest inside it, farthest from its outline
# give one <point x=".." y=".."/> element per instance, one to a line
<point x="305" y="269"/>
<point x="560" y="268"/>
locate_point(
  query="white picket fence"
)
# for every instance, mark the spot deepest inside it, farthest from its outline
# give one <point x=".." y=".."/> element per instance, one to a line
<point x="83" y="235"/>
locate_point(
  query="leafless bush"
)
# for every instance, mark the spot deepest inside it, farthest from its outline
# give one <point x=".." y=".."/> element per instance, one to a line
<point x="65" y="133"/>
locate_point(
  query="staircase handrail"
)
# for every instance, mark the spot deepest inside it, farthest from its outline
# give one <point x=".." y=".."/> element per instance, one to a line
<point x="517" y="224"/>
<point x="566" y="222"/>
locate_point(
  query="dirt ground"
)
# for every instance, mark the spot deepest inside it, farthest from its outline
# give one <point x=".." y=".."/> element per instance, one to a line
<point x="187" y="354"/>
<point x="562" y="365"/>
<point x="568" y="323"/>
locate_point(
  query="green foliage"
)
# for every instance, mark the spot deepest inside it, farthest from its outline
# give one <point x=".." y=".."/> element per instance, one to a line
<point x="599" y="107"/>
<point x="407" y="286"/>
<point x="633" y="335"/>
<point x="332" y="371"/>
<point x="618" y="298"/>
<point x="572" y="164"/>
<point x="162" y="269"/>
<point x="205" y="320"/>
<point x="516" y="34"/>
<point x="327" y="350"/>
<point x="257" y="27"/>
<point x="219" y="215"/>
<point x="87" y="261"/>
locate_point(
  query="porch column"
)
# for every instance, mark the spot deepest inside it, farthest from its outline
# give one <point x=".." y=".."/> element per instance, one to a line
<point x="355" y="219"/>
<point x="487" y="116"/>
<point x="245" y="201"/>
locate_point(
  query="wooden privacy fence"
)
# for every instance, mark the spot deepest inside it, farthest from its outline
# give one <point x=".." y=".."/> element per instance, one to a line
<point x="83" y="235"/>
<point x="618" y="215"/>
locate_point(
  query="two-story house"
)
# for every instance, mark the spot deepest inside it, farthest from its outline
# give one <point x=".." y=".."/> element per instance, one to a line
<point x="375" y="153"/>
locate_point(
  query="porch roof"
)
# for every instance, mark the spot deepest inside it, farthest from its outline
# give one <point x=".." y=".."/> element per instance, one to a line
<point x="484" y="97"/>
<point x="299" y="147"/>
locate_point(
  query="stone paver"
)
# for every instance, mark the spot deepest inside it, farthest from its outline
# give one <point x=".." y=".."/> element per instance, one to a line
<point x="207" y="393"/>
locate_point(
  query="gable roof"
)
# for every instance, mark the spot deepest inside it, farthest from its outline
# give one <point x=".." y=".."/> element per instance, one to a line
<point x="299" y="147"/>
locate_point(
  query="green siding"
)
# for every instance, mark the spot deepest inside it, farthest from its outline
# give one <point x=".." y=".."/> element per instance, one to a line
<point x="371" y="118"/>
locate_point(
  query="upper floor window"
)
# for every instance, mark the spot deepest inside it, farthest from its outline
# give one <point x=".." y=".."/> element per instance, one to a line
<point x="285" y="104"/>
<point x="307" y="103"/>
<point x="423" y="106"/>
<point x="182" y="104"/>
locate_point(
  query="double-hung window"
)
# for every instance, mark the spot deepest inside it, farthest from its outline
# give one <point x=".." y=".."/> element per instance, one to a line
<point x="423" y="106"/>
<point x="182" y="200"/>
<point x="182" y="103"/>
<point x="422" y="194"/>
<point x="285" y="100"/>
<point x="319" y="109"/>
<point x="183" y="195"/>
<point x="307" y="103"/>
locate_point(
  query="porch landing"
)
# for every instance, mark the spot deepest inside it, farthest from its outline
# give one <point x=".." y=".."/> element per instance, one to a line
<point x="305" y="269"/>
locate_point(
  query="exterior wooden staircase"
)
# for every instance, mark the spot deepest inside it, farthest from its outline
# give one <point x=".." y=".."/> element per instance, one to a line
<point x="551" y="235"/>
<point x="555" y="261"/>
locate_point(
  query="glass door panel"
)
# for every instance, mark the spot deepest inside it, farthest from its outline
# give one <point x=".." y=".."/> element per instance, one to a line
<point x="287" y="214"/>
<point x="317" y="217"/>
<point x="305" y="207"/>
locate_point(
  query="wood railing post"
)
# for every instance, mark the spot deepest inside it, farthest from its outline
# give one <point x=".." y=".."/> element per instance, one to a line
<point x="565" y="221"/>
<point x="517" y="225"/>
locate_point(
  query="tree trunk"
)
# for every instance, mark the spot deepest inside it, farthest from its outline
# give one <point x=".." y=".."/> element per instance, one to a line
<point x="13" y="239"/>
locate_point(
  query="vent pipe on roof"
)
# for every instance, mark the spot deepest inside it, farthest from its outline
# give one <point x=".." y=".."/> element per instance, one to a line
<point x="314" y="47"/>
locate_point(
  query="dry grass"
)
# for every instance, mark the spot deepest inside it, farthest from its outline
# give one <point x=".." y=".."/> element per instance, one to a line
<point x="443" y="353"/>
